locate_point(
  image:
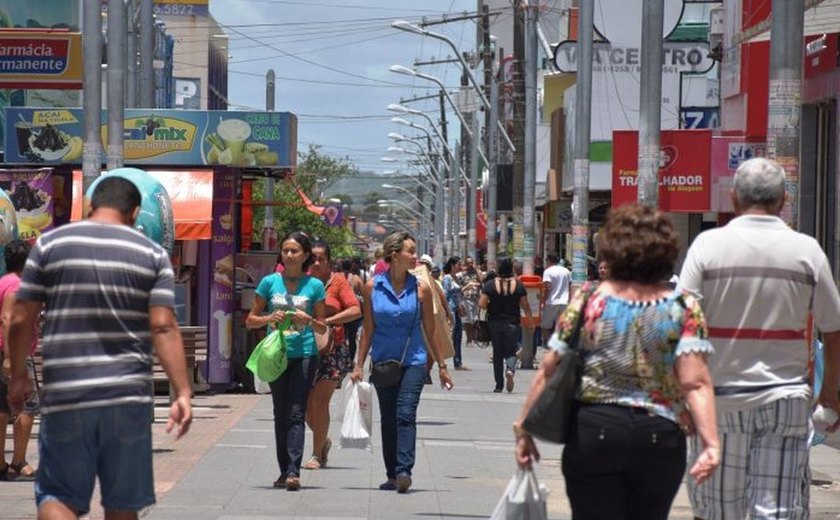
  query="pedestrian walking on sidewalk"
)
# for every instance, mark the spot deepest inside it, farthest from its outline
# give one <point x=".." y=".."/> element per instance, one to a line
<point x="300" y="296"/>
<point x="469" y="279"/>
<point x="398" y="311"/>
<point x="342" y="307"/>
<point x="15" y="254"/>
<point x="554" y="296"/>
<point x="503" y="296"/>
<point x="452" y="289"/>
<point x="643" y="348"/>
<point x="760" y="281"/>
<point x="108" y="297"/>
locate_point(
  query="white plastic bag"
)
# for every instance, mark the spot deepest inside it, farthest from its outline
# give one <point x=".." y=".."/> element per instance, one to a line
<point x="358" y="416"/>
<point x="260" y="386"/>
<point x="524" y="499"/>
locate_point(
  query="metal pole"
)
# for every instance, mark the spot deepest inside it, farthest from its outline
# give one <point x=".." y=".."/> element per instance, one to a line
<point x="131" y="55"/>
<point x="530" y="175"/>
<point x="454" y="204"/>
<point x="650" y="102"/>
<point x="784" y="109"/>
<point x="583" y="131"/>
<point x="441" y="225"/>
<point x="503" y="233"/>
<point x="268" y="221"/>
<point x="493" y="168"/>
<point x="116" y="81"/>
<point x="147" y="54"/>
<point x="92" y="46"/>
<point x="472" y="191"/>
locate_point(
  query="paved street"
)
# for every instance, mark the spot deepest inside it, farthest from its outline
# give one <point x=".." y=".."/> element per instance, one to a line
<point x="225" y="467"/>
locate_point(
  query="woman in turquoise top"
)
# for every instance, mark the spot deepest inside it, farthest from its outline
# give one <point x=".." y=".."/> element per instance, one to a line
<point x="644" y="381"/>
<point x="300" y="296"/>
<point x="396" y="306"/>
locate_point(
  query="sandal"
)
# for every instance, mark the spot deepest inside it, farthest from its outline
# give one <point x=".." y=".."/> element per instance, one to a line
<point x="313" y="463"/>
<point x="388" y="485"/>
<point x="325" y="452"/>
<point x="18" y="470"/>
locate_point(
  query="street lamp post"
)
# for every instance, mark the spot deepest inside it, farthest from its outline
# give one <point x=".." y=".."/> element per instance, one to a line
<point x="409" y="27"/>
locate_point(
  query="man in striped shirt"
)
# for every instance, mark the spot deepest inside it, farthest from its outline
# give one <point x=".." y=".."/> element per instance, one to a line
<point x="108" y="296"/>
<point x="760" y="281"/>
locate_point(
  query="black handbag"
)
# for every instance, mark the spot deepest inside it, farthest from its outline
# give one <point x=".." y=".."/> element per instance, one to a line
<point x="387" y="373"/>
<point x="551" y="416"/>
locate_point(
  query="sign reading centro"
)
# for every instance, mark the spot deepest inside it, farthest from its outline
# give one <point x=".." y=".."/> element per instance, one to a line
<point x="161" y="137"/>
<point x="684" y="169"/>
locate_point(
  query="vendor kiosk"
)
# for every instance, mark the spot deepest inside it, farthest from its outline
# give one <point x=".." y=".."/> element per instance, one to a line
<point x="207" y="161"/>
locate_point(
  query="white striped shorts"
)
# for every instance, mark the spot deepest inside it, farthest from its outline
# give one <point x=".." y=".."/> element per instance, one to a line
<point x="764" y="471"/>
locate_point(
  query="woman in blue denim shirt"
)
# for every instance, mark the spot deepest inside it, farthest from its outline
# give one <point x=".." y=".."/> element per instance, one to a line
<point x="396" y="306"/>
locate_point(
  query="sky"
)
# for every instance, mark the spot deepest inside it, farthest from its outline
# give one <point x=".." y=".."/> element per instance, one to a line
<point x="331" y="59"/>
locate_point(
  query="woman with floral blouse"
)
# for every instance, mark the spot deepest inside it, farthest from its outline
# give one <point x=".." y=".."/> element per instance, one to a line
<point x="645" y="382"/>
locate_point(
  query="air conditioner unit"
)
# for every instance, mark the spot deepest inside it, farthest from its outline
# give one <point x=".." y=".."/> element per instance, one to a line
<point x="716" y="24"/>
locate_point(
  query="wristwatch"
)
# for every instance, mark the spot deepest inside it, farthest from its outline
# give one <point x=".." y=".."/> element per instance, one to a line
<point x="441" y="366"/>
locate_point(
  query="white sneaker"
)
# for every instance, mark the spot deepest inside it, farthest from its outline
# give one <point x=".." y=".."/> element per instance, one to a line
<point x="509" y="380"/>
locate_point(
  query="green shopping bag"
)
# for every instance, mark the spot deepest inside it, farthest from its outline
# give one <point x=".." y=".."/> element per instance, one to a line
<point x="268" y="360"/>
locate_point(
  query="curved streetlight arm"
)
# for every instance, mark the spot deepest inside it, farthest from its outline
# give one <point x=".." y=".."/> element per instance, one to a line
<point x="405" y="122"/>
<point x="398" y="204"/>
<point x="428" y="160"/>
<point x="409" y="27"/>
<point x="412" y="195"/>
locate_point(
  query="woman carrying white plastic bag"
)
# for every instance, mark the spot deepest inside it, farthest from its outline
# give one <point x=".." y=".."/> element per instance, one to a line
<point x="358" y="416"/>
<point x="524" y="499"/>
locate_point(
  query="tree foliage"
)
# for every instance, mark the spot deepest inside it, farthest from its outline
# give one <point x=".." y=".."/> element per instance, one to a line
<point x="316" y="171"/>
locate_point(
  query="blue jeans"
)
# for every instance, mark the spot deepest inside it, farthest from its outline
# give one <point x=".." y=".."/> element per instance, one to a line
<point x="289" y="394"/>
<point x="457" y="328"/>
<point x="398" y="409"/>
<point x="111" y="442"/>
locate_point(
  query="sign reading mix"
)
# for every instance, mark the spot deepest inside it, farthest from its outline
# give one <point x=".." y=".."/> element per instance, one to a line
<point x="161" y="137"/>
<point x="40" y="59"/>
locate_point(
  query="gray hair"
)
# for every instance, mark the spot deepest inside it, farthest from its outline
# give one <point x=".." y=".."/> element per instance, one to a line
<point x="760" y="182"/>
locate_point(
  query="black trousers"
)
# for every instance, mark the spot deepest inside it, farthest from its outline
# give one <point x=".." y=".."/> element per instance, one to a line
<point x="503" y="337"/>
<point x="622" y="463"/>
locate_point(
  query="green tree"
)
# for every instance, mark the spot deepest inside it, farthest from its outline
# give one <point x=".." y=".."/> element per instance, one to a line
<point x="316" y="171"/>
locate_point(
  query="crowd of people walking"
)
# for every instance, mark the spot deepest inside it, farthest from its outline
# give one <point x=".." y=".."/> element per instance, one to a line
<point x="704" y="375"/>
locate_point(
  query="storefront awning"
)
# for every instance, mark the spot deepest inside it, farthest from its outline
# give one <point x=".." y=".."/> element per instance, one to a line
<point x="191" y="192"/>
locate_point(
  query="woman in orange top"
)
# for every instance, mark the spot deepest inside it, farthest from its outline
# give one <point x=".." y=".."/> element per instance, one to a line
<point x="342" y="307"/>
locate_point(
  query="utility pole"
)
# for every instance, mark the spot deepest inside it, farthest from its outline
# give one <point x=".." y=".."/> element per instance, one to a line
<point x="518" y="137"/>
<point x="116" y="81"/>
<point x="493" y="168"/>
<point x="491" y="135"/>
<point x="92" y="93"/>
<point x="454" y="205"/>
<point x="784" y="111"/>
<point x="650" y="102"/>
<point x="147" y="54"/>
<point x="268" y="220"/>
<point x="530" y="174"/>
<point x="440" y="203"/>
<point x="583" y="131"/>
<point x="472" y="190"/>
<point x="131" y="55"/>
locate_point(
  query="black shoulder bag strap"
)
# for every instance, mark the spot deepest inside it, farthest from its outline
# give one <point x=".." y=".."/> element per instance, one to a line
<point x="413" y="323"/>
